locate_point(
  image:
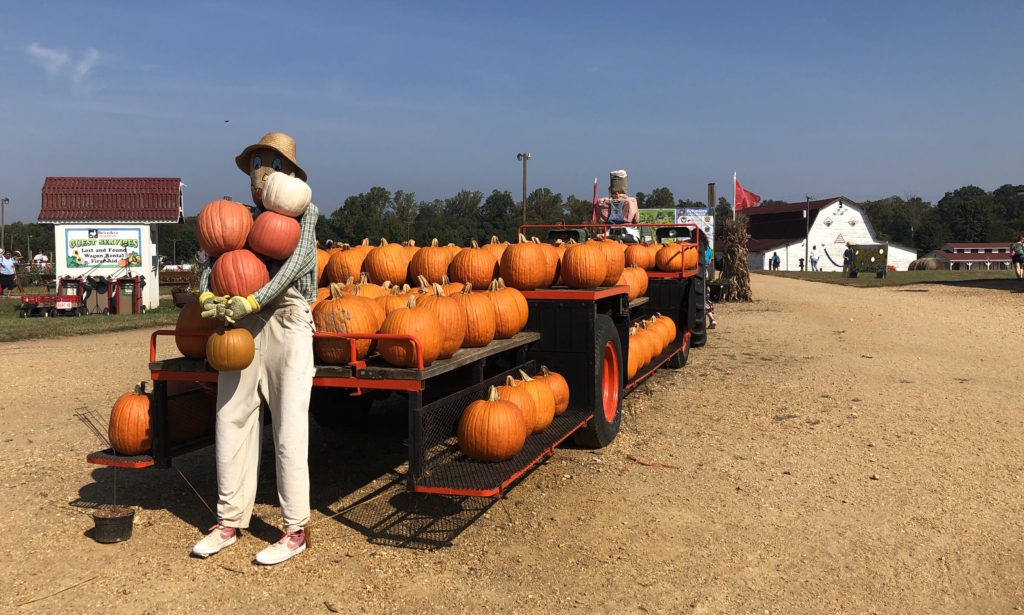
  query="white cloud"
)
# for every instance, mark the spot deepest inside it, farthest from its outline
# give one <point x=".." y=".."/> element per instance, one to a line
<point x="85" y="64"/>
<point x="57" y="62"/>
<point x="52" y="60"/>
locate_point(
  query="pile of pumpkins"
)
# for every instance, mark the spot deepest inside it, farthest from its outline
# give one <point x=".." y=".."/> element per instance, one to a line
<point x="242" y="246"/>
<point x="443" y="317"/>
<point x="648" y="339"/>
<point x="496" y="428"/>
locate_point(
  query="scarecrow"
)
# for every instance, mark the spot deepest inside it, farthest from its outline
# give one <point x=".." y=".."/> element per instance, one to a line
<point x="618" y="208"/>
<point x="280" y="375"/>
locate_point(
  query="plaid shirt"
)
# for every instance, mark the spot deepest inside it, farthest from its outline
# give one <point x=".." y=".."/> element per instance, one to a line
<point x="298" y="270"/>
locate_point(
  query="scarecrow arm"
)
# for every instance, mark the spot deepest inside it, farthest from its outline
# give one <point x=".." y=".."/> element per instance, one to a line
<point x="299" y="267"/>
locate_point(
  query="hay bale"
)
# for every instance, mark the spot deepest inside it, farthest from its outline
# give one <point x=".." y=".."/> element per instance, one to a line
<point x="926" y="264"/>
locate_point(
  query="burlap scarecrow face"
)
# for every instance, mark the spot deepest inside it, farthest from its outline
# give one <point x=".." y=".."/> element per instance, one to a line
<point x="263" y="162"/>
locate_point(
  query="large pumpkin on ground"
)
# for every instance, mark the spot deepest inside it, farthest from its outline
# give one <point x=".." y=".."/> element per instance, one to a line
<point x="238" y="272"/>
<point x="491" y="429"/>
<point x="230" y="350"/>
<point x="274" y="235"/>
<point x="130" y="431"/>
<point x="223" y="226"/>
<point x="190" y="319"/>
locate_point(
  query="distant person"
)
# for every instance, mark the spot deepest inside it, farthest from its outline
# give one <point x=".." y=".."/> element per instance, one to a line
<point x="847" y="258"/>
<point x="774" y="263"/>
<point x="1017" y="257"/>
<point x="202" y="258"/>
<point x="618" y="208"/>
<point x="40" y="260"/>
<point x="8" y="275"/>
<point x="814" y="258"/>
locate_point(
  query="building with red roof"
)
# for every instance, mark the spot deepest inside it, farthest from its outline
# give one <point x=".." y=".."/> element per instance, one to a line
<point x="960" y="255"/>
<point x="107" y="226"/>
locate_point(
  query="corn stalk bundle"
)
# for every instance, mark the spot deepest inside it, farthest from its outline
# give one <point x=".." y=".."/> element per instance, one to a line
<point x="735" y="276"/>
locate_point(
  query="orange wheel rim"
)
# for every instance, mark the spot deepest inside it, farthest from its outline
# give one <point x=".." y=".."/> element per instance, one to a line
<point x="610" y="382"/>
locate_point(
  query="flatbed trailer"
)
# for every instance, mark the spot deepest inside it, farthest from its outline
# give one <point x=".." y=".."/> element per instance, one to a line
<point x="581" y="334"/>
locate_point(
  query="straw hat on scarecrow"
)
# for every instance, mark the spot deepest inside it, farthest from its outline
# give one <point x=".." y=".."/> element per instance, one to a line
<point x="277" y="142"/>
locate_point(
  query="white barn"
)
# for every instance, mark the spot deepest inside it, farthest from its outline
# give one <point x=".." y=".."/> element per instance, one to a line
<point x="782" y="228"/>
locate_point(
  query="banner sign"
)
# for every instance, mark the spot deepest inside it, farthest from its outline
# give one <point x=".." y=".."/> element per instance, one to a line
<point x="703" y="218"/>
<point x="103" y="247"/>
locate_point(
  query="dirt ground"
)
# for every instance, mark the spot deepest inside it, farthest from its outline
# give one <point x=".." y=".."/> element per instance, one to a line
<point x="831" y="449"/>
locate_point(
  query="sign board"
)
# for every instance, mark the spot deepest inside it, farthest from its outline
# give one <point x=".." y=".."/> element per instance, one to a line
<point x="703" y="218"/>
<point x="113" y="248"/>
<point x="657" y="216"/>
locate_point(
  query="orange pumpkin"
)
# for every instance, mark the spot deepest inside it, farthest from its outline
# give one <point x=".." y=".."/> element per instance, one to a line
<point x="130" y="430"/>
<point x="223" y="226"/>
<point x="491" y="429"/>
<point x="559" y="388"/>
<point x="676" y="256"/>
<point x="418" y="322"/>
<point x="496" y="247"/>
<point x="230" y="350"/>
<point x="474" y="266"/>
<point x="514" y="392"/>
<point x="238" y="272"/>
<point x="614" y="259"/>
<point x="479" y="317"/>
<point x="387" y="261"/>
<point x="633" y="354"/>
<point x="431" y="262"/>
<point x="523" y="265"/>
<point x="450" y="314"/>
<point x="274" y="235"/>
<point x="552" y="257"/>
<point x="544" y="400"/>
<point x="583" y="266"/>
<point x="510" y="309"/>
<point x="638" y="255"/>
<point x="345" y="263"/>
<point x="190" y="319"/>
<point x="410" y="249"/>
<point x="345" y="313"/>
<point x="322" y="258"/>
<point x="394" y="300"/>
<point x="450" y="288"/>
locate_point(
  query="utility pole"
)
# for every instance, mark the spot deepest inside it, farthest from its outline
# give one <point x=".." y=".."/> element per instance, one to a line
<point x="3" y="206"/>
<point x="807" y="235"/>
<point x="524" y="158"/>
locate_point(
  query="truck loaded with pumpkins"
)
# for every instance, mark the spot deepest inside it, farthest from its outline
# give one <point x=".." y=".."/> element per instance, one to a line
<point x="501" y="351"/>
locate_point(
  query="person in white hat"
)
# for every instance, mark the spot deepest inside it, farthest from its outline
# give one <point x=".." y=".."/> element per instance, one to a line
<point x="618" y="207"/>
<point x="281" y="373"/>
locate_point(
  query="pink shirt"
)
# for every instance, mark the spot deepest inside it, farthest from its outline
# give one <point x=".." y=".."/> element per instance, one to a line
<point x="630" y="211"/>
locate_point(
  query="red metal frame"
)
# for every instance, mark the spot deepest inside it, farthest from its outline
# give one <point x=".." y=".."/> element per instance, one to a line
<point x="604" y="227"/>
<point x="571" y="294"/>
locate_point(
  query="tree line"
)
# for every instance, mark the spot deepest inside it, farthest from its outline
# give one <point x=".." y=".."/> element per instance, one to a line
<point x="966" y="214"/>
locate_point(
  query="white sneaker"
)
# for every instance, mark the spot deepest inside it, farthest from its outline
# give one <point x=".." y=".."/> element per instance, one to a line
<point x="290" y="545"/>
<point x="219" y="537"/>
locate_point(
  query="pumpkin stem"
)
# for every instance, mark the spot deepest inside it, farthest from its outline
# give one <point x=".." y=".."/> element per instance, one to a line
<point x="424" y="284"/>
<point x="510" y="381"/>
<point x="523" y="239"/>
<point x="492" y="393"/>
<point x="525" y="377"/>
<point x="366" y="241"/>
<point x="141" y="389"/>
<point x="411" y="303"/>
<point x="383" y="242"/>
<point x="544" y="370"/>
<point x="338" y="289"/>
<point x="474" y="244"/>
<point x="494" y="239"/>
<point x="467" y="289"/>
<point x="438" y="290"/>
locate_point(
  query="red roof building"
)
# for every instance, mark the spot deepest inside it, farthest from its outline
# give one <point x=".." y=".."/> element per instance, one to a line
<point x="145" y="200"/>
<point x="965" y="255"/>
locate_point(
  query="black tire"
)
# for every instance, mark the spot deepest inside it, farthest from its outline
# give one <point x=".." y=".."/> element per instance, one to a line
<point x="337" y="409"/>
<point x="609" y="372"/>
<point x="678" y="360"/>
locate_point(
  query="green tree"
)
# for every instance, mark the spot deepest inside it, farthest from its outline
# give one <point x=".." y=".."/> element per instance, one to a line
<point x="544" y="207"/>
<point x="660" y="198"/>
<point x="578" y="211"/>
<point x="362" y="216"/>
<point x="970" y="213"/>
<point x="498" y="215"/>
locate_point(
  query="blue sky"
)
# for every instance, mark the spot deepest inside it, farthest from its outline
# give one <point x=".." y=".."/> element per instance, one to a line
<point x="866" y="99"/>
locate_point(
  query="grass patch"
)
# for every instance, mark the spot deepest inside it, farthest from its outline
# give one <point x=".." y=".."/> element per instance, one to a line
<point x="13" y="328"/>
<point x="982" y="279"/>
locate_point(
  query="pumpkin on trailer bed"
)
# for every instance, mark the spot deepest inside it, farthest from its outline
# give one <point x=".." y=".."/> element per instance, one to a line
<point x="420" y="323"/>
<point x="559" y="388"/>
<point x="130" y="431"/>
<point x="491" y="429"/>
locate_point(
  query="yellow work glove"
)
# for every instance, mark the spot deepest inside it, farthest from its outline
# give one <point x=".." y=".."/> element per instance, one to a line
<point x="240" y="307"/>
<point x="213" y="306"/>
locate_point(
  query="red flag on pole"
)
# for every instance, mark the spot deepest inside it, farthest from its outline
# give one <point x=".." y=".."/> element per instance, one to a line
<point x="593" y="211"/>
<point x="745" y="198"/>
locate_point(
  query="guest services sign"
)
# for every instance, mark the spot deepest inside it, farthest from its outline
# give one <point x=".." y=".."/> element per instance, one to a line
<point x="103" y="247"/>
